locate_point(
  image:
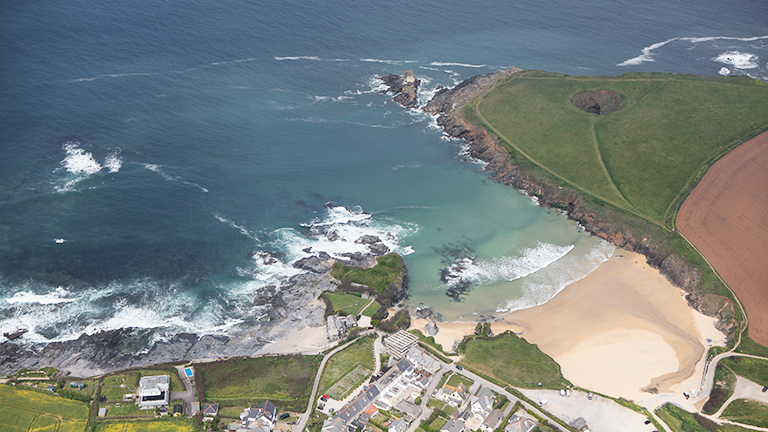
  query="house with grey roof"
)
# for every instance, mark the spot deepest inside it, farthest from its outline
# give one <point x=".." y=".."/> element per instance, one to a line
<point x="258" y="418"/>
<point x="154" y="391"/>
<point x="398" y="425"/>
<point x="481" y="403"/>
<point x="520" y="424"/>
<point x="453" y="425"/>
<point x="423" y="360"/>
<point x="453" y="396"/>
<point x="493" y="421"/>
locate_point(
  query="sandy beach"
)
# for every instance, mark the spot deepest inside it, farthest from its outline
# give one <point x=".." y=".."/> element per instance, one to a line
<point x="621" y="329"/>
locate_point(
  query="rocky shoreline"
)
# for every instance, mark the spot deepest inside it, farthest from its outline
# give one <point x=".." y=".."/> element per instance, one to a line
<point x="448" y="103"/>
<point x="293" y="306"/>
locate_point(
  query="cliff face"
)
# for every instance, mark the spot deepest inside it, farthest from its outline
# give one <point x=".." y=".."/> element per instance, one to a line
<point x="448" y="103"/>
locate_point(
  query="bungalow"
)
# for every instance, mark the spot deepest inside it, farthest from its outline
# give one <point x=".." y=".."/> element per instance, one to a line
<point x="154" y="391"/>
<point x="453" y="425"/>
<point x="77" y="384"/>
<point x="210" y="410"/>
<point x="520" y="424"/>
<point x="493" y="421"/>
<point x="453" y="396"/>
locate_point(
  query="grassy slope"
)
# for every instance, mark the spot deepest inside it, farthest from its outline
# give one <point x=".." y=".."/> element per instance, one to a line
<point x="671" y="128"/>
<point x="680" y="420"/>
<point x="510" y="359"/>
<point x="285" y="380"/>
<point x="748" y="412"/>
<point x="750" y="368"/>
<point x="386" y="271"/>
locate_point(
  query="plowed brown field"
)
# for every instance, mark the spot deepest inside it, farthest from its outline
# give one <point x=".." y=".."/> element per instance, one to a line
<point x="726" y="218"/>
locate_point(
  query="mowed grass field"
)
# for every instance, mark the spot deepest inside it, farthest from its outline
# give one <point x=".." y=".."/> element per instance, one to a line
<point x="644" y="158"/>
<point x="285" y="380"/>
<point x="34" y="411"/>
<point x="347" y="369"/>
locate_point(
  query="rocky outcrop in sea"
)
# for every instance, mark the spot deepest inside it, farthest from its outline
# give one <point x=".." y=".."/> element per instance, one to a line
<point x="404" y="87"/>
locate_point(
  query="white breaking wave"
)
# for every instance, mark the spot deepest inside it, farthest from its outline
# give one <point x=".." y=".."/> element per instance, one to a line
<point x="158" y="170"/>
<point x="456" y="64"/>
<point x="389" y="62"/>
<point x="647" y="52"/>
<point x="737" y="59"/>
<point x="58" y="295"/>
<point x="541" y="286"/>
<point x="504" y="269"/>
<point x="121" y="75"/>
<point x="80" y="164"/>
<point x="313" y="58"/>
<point x="243" y="230"/>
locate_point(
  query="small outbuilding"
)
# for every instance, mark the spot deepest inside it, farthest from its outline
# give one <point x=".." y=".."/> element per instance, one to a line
<point x="178" y="409"/>
<point x="102" y="412"/>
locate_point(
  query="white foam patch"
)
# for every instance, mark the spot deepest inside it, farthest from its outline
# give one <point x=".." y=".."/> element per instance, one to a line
<point x="456" y="64"/>
<point x="737" y="59"/>
<point x="158" y="169"/>
<point x="505" y="269"/>
<point x="312" y="58"/>
<point x="80" y="164"/>
<point x="646" y="54"/>
<point x="389" y="62"/>
<point x="243" y="230"/>
<point x="541" y="286"/>
<point x="724" y="71"/>
<point x="58" y="295"/>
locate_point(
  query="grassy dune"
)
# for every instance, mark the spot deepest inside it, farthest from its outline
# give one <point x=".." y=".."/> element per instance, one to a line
<point x="644" y="158"/>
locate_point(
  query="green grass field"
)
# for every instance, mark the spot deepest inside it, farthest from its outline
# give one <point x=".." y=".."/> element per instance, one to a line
<point x="747" y="412"/>
<point x="349" y="303"/>
<point x="750" y="368"/>
<point x="160" y="425"/>
<point x="111" y="386"/>
<point x="644" y="158"/>
<point x="30" y="410"/>
<point x="457" y="379"/>
<point x="511" y="360"/>
<point x="355" y="362"/>
<point x="379" y="277"/>
<point x="680" y="420"/>
<point x="285" y="380"/>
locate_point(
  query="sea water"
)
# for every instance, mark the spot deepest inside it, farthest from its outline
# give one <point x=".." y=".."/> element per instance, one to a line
<point x="161" y="161"/>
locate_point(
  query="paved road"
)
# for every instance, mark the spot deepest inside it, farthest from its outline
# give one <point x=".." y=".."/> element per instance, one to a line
<point x="425" y="410"/>
<point x="744" y="389"/>
<point x="511" y="397"/>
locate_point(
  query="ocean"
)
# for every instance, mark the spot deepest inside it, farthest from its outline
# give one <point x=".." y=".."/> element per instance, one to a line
<point x="155" y="156"/>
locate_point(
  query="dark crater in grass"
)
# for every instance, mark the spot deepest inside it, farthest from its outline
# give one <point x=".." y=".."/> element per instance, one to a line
<point x="598" y="101"/>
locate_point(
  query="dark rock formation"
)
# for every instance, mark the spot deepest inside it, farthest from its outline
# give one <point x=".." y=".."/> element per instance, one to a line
<point x="405" y="87"/>
<point x="320" y="263"/>
<point x="431" y="329"/>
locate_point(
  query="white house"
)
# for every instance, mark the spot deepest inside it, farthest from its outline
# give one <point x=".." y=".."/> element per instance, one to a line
<point x="154" y="391"/>
<point x="258" y="418"/>
<point x="481" y="403"/>
<point x="453" y="396"/>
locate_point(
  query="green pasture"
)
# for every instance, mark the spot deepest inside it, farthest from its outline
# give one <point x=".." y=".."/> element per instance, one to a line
<point x="349" y="303"/>
<point x="31" y="410"/>
<point x="511" y="360"/>
<point x="285" y="380"/>
<point x="747" y="412"/>
<point x="644" y="158"/>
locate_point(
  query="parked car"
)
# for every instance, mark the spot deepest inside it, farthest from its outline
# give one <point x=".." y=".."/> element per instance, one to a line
<point x="542" y="402"/>
<point x="331" y="410"/>
<point x="325" y="395"/>
<point x="765" y="389"/>
<point x="284" y="416"/>
<point x="321" y="407"/>
<point x="324" y="399"/>
<point x="459" y="367"/>
<point x="590" y="395"/>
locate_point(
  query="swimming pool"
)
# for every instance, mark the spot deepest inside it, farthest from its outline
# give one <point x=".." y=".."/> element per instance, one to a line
<point x="188" y="372"/>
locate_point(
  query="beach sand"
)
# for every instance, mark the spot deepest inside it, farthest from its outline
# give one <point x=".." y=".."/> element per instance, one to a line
<point x="619" y="330"/>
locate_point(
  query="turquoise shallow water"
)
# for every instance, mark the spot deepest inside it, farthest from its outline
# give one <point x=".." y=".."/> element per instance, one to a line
<point x="147" y="151"/>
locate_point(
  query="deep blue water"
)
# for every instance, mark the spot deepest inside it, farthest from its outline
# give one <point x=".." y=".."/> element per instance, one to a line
<point x="147" y="149"/>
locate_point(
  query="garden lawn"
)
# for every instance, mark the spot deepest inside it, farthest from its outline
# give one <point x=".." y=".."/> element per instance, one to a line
<point x="387" y="269"/>
<point x="349" y="303"/>
<point x="511" y="360"/>
<point x="284" y="380"/>
<point x="353" y="360"/>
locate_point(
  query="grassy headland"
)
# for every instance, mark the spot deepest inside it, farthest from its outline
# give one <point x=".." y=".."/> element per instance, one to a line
<point x="625" y="174"/>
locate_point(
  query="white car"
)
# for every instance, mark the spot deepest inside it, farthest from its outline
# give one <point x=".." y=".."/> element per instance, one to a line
<point x="542" y="402"/>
